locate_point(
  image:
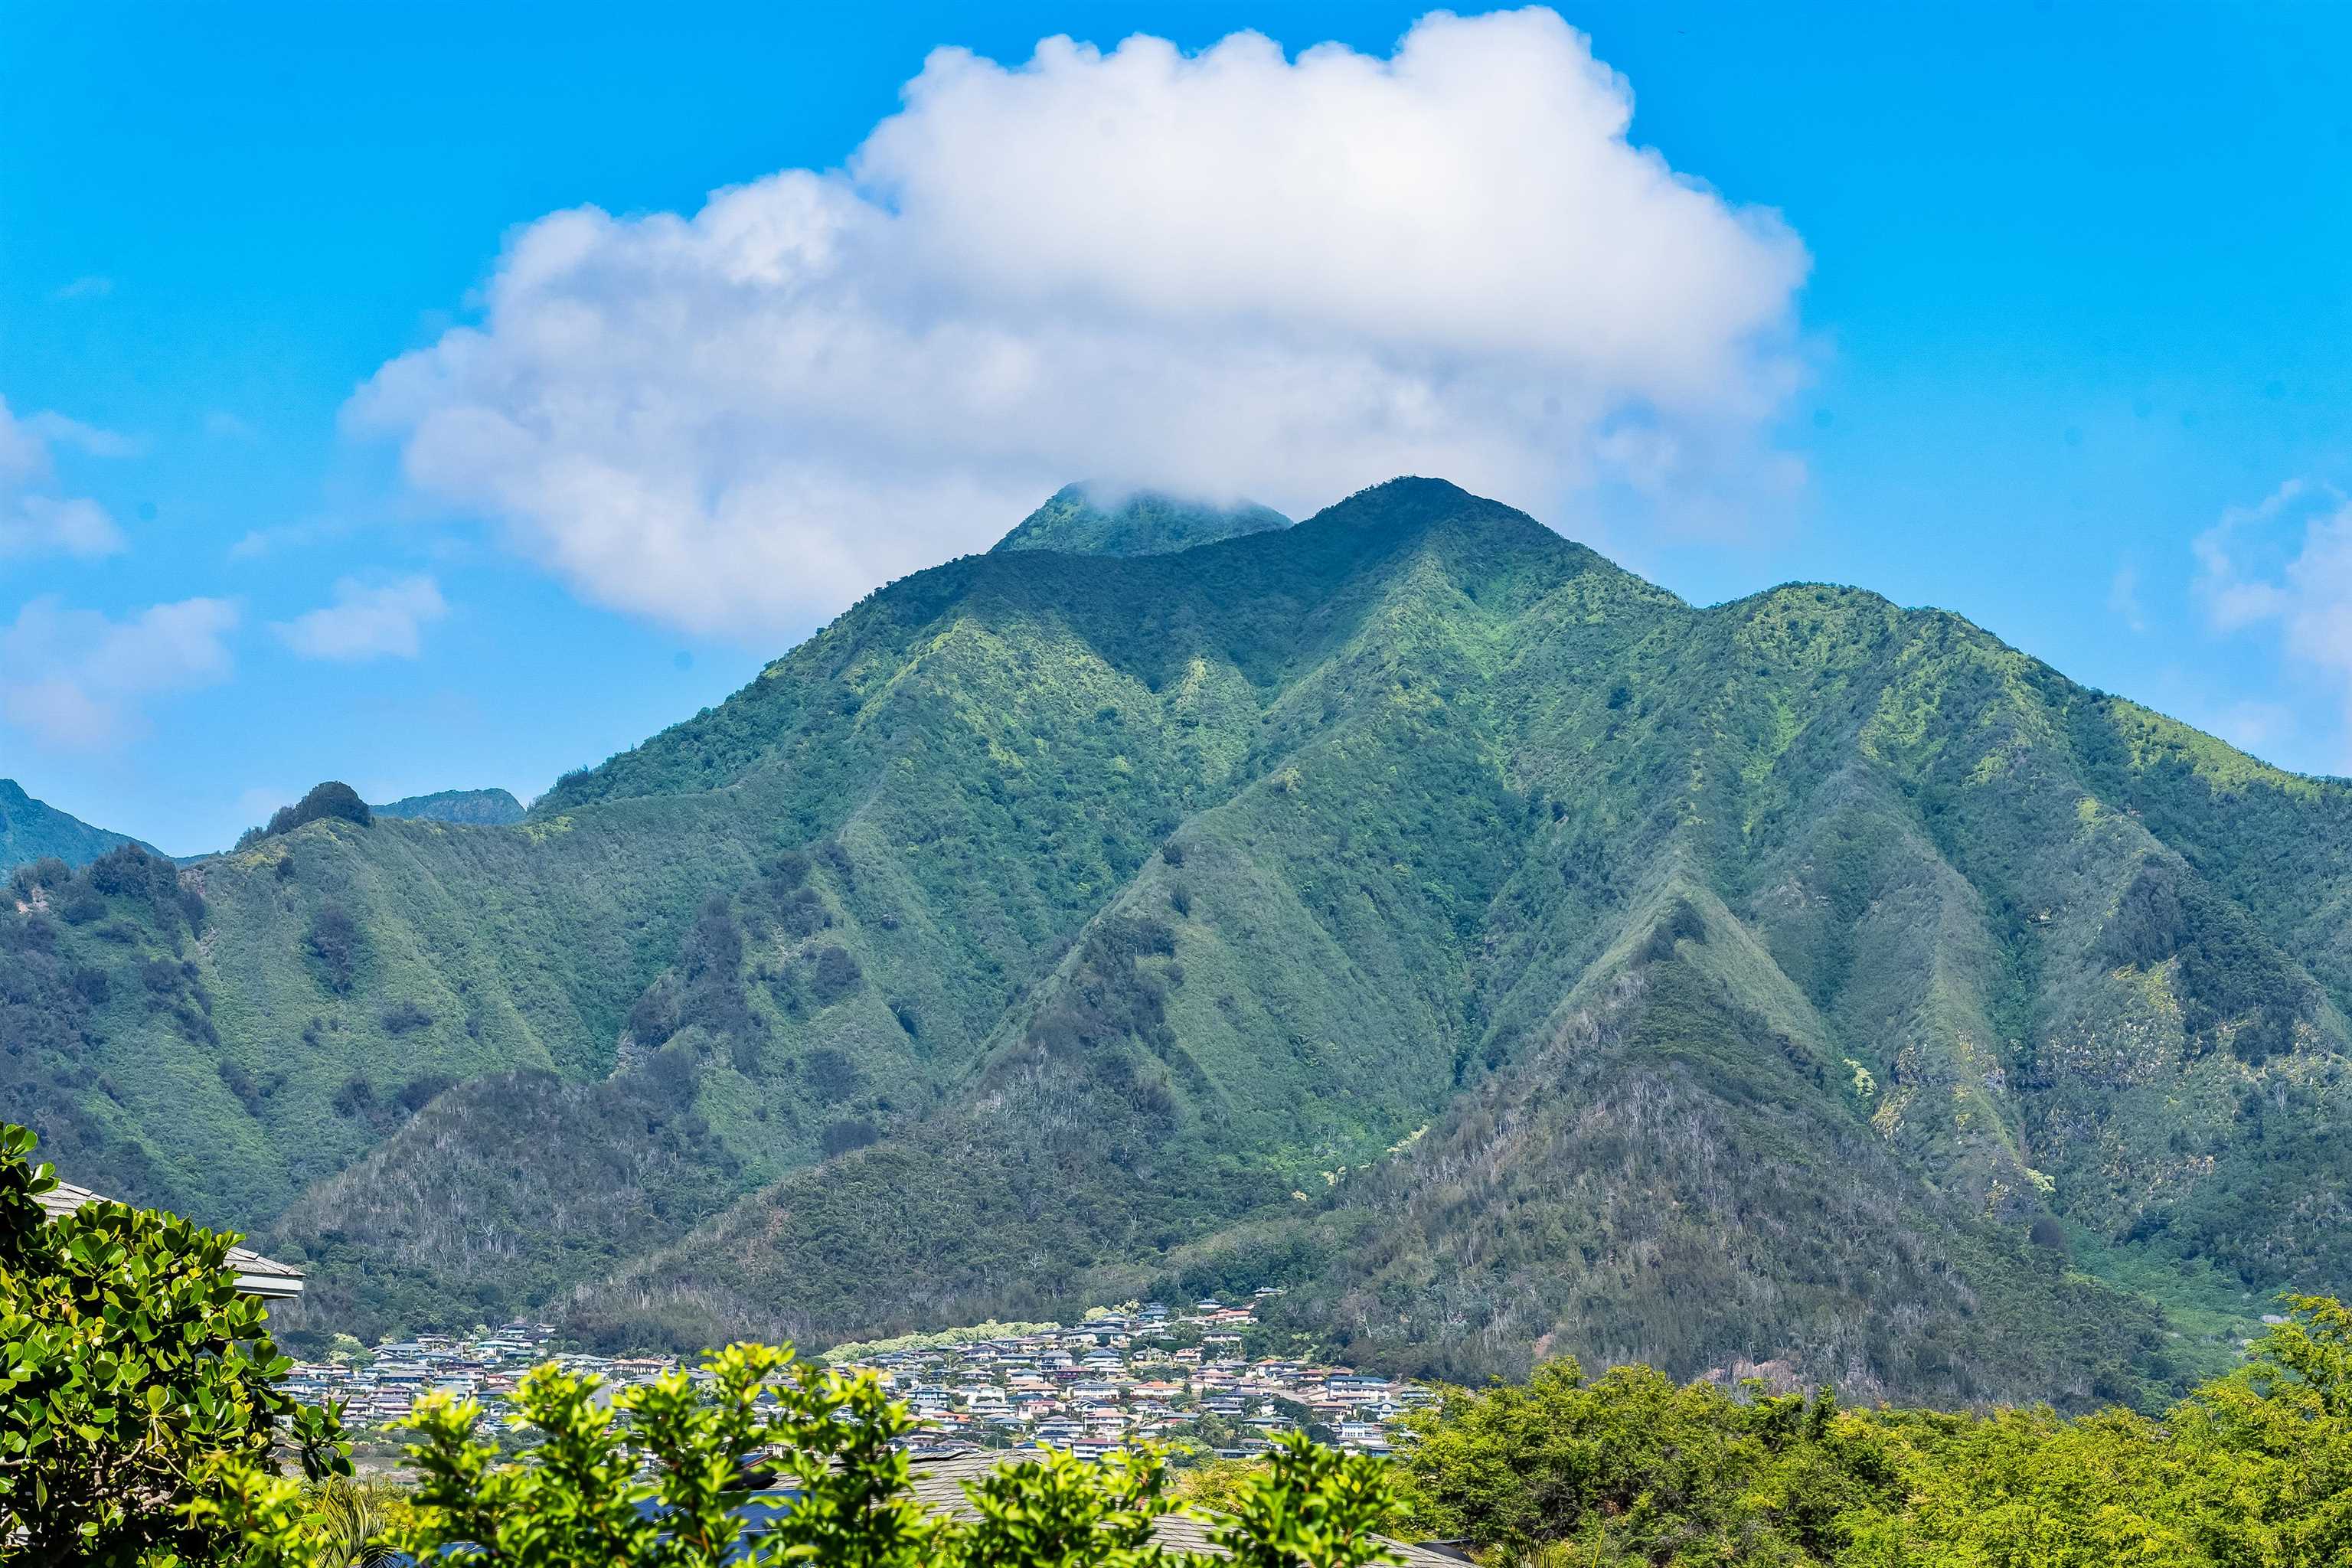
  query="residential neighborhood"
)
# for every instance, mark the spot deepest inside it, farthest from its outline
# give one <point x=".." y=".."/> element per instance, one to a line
<point x="1173" y="1374"/>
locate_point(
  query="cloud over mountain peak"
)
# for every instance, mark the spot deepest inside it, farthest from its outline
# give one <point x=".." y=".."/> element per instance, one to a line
<point x="1228" y="272"/>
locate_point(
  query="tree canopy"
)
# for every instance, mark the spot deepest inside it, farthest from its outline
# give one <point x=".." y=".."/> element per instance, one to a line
<point x="332" y="798"/>
<point x="136" y="1378"/>
<point x="2253" y="1471"/>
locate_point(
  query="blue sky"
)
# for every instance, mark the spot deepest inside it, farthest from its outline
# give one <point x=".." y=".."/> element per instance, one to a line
<point x="2048" y="330"/>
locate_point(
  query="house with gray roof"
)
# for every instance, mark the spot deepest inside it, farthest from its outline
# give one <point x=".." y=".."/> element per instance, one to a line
<point x="256" y="1275"/>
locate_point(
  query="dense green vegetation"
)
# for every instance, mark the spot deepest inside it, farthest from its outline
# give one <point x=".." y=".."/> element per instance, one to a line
<point x="30" y="831"/>
<point x="2252" y="1468"/>
<point x="1143" y="524"/>
<point x="114" y="939"/>
<point x="133" y="1378"/>
<point x="490" y="807"/>
<point x="581" y="1500"/>
<point x="1407" y="906"/>
<point x="140" y="1424"/>
<point x="332" y="800"/>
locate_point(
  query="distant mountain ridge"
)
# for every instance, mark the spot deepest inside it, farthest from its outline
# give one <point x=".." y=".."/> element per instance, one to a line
<point x="1408" y="907"/>
<point x="1143" y="522"/>
<point x="29" y="829"/>
<point x="487" y="807"/>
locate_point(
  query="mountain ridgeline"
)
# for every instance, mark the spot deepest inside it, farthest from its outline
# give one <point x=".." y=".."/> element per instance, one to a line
<point x="31" y="830"/>
<point x="1408" y="907"/>
<point x="487" y="807"/>
<point x="1077" y="520"/>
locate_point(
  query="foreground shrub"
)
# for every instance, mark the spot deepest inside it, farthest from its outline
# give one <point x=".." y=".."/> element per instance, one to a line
<point x="140" y="1388"/>
<point x="703" y="1446"/>
<point x="142" y="1424"/>
<point x="2252" y="1471"/>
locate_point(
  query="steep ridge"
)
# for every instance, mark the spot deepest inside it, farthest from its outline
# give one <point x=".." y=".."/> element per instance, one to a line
<point x="31" y="830"/>
<point x="1407" y="905"/>
<point x="1899" y="893"/>
<point x="1963" y="922"/>
<point x="1057" y="736"/>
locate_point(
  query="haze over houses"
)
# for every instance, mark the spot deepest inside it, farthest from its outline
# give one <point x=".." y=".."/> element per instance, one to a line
<point x="1176" y="1375"/>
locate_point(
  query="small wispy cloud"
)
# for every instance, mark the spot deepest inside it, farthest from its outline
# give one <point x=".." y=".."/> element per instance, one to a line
<point x="381" y="621"/>
<point x="223" y="425"/>
<point x="42" y="525"/>
<point x="2122" y="598"/>
<point x="76" y="680"/>
<point x="92" y="287"/>
<point x="2252" y="726"/>
<point x="2286" y="564"/>
<point x="36" y="518"/>
<point x="256" y="542"/>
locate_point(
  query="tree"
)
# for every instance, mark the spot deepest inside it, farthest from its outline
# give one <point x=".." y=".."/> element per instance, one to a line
<point x="352" y="1522"/>
<point x="140" y="1387"/>
<point x="1062" y="1512"/>
<point x="581" y="1505"/>
<point x="334" y="939"/>
<point x="330" y="799"/>
<point x="2270" y="1446"/>
<point x="1309" y="1508"/>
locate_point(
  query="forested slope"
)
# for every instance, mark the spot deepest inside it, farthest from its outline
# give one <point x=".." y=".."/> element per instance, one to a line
<point x="1407" y="904"/>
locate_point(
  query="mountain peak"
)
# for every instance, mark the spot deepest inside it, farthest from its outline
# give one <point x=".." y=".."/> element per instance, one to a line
<point x="1063" y="895"/>
<point x="1411" y="500"/>
<point x="1083" y="519"/>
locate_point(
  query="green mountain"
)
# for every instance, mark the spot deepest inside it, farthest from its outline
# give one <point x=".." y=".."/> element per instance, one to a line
<point x="1144" y="522"/>
<point x="30" y="830"/>
<point x="493" y="807"/>
<point x="1408" y="907"/>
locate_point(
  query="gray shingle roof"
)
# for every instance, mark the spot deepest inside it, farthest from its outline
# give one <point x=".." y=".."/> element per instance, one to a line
<point x="938" y="1481"/>
<point x="256" y="1275"/>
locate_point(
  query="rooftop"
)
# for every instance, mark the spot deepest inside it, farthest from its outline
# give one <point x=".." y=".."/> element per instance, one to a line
<point x="256" y="1275"/>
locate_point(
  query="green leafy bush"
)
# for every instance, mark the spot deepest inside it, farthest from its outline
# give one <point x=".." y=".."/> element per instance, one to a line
<point x="142" y="1422"/>
<point x="140" y="1387"/>
<point x="2252" y="1468"/>
<point x="331" y="799"/>
<point x="666" y="1473"/>
<point x="336" y="945"/>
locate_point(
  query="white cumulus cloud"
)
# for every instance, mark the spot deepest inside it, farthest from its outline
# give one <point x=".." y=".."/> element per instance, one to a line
<point x="1226" y="273"/>
<point x="382" y="621"/>
<point x="75" y="679"/>
<point x="35" y="519"/>
<point x="2286" y="564"/>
